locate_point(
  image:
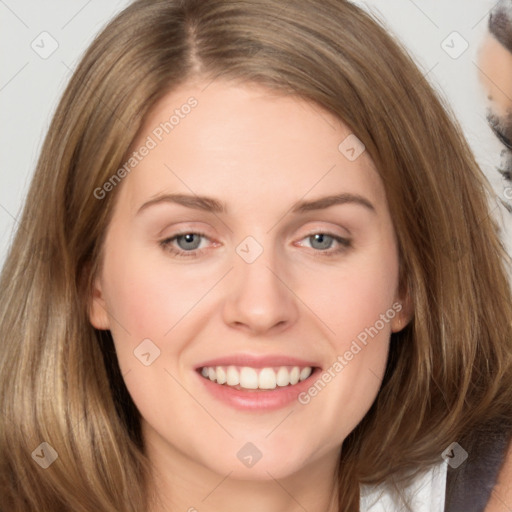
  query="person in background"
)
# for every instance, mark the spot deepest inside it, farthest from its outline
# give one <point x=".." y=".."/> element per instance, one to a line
<point x="495" y="72"/>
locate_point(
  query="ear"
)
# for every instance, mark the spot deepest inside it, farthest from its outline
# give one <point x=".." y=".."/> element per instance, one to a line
<point x="404" y="309"/>
<point x="97" y="307"/>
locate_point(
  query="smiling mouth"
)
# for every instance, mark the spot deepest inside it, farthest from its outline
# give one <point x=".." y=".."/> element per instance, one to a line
<point x="246" y="378"/>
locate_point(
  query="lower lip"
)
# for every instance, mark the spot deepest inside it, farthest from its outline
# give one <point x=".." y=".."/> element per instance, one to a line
<point x="258" y="400"/>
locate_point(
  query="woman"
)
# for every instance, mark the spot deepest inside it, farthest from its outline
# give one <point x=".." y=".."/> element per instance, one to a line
<point x="142" y="370"/>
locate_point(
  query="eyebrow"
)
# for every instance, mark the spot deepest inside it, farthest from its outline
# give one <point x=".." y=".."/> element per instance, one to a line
<point x="213" y="205"/>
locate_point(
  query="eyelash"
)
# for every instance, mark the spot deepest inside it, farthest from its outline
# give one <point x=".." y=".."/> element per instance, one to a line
<point x="503" y="139"/>
<point x="496" y="128"/>
<point x="344" y="243"/>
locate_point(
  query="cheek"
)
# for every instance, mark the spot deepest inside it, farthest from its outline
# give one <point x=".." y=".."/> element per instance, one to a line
<point x="360" y="296"/>
<point x="359" y="308"/>
<point x="147" y="299"/>
<point x="345" y="390"/>
<point x="361" y="322"/>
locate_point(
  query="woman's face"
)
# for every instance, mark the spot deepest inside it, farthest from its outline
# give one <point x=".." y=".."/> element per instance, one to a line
<point x="291" y="262"/>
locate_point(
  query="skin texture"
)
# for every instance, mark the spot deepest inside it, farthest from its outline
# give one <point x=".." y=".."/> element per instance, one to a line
<point x="495" y="63"/>
<point x="259" y="152"/>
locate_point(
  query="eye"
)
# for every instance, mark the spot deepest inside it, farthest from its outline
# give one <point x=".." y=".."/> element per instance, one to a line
<point x="502" y="137"/>
<point x="323" y="242"/>
<point x="188" y="244"/>
<point x="501" y="127"/>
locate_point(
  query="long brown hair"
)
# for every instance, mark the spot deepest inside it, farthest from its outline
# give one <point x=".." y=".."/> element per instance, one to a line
<point x="448" y="371"/>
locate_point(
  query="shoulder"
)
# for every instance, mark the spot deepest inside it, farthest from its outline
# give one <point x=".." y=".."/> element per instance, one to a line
<point x="483" y="482"/>
<point x="501" y="495"/>
<point x="424" y="493"/>
<point x="480" y="480"/>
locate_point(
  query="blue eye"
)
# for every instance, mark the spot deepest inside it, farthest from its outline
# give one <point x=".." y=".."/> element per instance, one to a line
<point x="188" y="244"/>
<point x="324" y="241"/>
<point x="190" y="241"/>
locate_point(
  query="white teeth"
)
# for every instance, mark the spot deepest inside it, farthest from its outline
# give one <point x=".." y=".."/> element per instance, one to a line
<point x="254" y="378"/>
<point x="232" y="376"/>
<point x="283" y="377"/>
<point x="294" y="375"/>
<point x="248" y="378"/>
<point x="221" y="375"/>
<point x="267" y="379"/>
<point x="304" y="374"/>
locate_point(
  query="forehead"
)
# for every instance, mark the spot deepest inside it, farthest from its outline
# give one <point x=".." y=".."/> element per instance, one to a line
<point x="243" y="139"/>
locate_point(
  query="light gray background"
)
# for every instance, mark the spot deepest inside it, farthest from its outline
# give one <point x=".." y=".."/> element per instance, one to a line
<point x="30" y="86"/>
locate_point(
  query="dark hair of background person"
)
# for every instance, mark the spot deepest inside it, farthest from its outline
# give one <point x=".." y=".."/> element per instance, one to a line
<point x="500" y="23"/>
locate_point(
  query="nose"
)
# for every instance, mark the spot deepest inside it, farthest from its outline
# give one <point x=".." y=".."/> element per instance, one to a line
<point x="259" y="299"/>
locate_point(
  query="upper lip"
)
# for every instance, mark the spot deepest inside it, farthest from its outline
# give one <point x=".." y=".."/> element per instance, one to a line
<point x="257" y="361"/>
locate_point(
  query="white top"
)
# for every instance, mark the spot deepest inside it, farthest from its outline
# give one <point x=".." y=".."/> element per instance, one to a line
<point x="425" y="494"/>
